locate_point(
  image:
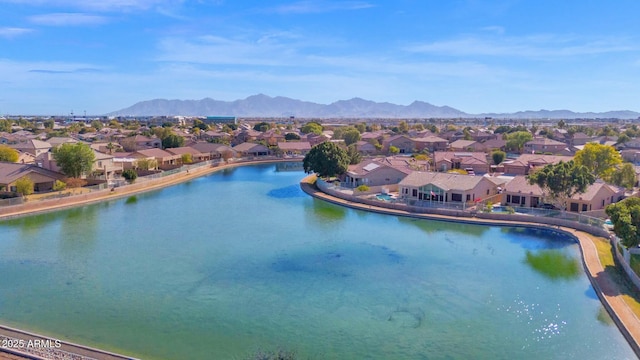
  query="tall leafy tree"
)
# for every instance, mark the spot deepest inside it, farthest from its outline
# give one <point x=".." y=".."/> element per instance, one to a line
<point x="498" y="156"/>
<point x="311" y="128"/>
<point x="326" y="159"/>
<point x="599" y="159"/>
<point x="516" y="140"/>
<point x="8" y="154"/>
<point x="561" y="181"/>
<point x="172" y="141"/>
<point x="625" y="176"/>
<point x="625" y="216"/>
<point x="354" y="155"/>
<point x="351" y="137"/>
<point x="74" y="159"/>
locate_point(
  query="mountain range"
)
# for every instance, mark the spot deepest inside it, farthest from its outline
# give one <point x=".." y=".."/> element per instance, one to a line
<point x="265" y="106"/>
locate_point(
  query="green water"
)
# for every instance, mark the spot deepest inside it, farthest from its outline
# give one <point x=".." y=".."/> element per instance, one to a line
<point x="242" y="260"/>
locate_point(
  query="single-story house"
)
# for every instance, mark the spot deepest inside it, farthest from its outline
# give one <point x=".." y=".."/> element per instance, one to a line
<point x="527" y="162"/>
<point x="545" y="145"/>
<point x="597" y="197"/>
<point x="251" y="149"/>
<point x="404" y="144"/>
<point x="366" y="148"/>
<point x="445" y="187"/>
<point x="196" y="156"/>
<point x="164" y="158"/>
<point x="43" y="179"/>
<point x="431" y="143"/>
<point x="374" y="172"/>
<point x="295" y="147"/>
<point x="464" y="145"/>
<point x="518" y="192"/>
<point x="448" y="160"/>
<point x="215" y="151"/>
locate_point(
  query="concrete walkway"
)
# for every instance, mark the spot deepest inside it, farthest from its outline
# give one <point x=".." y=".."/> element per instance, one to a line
<point x="606" y="287"/>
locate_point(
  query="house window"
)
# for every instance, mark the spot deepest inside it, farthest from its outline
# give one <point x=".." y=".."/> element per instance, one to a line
<point x="508" y="198"/>
<point x="574" y="207"/>
<point x="468" y="197"/>
<point x="523" y="200"/>
<point x="603" y="202"/>
<point x="415" y="192"/>
<point x="456" y="197"/>
<point x="584" y="207"/>
<point x="487" y="191"/>
<point x="515" y="199"/>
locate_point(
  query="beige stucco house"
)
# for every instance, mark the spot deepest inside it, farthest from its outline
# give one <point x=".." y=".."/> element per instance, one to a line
<point x="427" y="187"/>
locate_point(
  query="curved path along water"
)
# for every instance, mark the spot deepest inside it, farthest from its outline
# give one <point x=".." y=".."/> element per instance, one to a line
<point x="606" y="287"/>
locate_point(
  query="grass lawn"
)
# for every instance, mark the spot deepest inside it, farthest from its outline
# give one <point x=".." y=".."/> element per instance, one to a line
<point x="630" y="295"/>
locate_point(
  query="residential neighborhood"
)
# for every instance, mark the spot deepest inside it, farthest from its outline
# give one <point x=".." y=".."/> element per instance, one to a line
<point x="456" y="163"/>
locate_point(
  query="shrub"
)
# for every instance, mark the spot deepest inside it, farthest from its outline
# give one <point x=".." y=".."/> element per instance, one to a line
<point x="130" y="175"/>
<point x="488" y="206"/>
<point x="24" y="186"/>
<point x="59" y="185"/>
<point x="75" y="182"/>
<point x="362" y="188"/>
<point x="186" y="158"/>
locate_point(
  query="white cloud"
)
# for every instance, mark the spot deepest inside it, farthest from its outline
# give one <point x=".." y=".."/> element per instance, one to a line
<point x="318" y="6"/>
<point x="68" y="19"/>
<point x="97" y="5"/>
<point x="537" y="46"/>
<point x="11" y="32"/>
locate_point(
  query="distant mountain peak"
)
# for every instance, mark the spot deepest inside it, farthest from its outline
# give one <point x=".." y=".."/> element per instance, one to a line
<point x="261" y="105"/>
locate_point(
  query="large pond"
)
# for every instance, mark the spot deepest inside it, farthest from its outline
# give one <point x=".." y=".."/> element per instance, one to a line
<point x="243" y="261"/>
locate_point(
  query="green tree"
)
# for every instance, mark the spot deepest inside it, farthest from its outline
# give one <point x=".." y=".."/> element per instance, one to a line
<point x="393" y="150"/>
<point x="172" y="141"/>
<point x="326" y="159"/>
<point x="311" y="128"/>
<point x="146" y="164"/>
<point x="361" y="127"/>
<point x="561" y="181"/>
<point x="97" y="124"/>
<point x="186" y="158"/>
<point x="623" y="138"/>
<point x="403" y="127"/>
<point x="24" y="186"/>
<point x="261" y="126"/>
<point x="74" y="159"/>
<point x="49" y="124"/>
<point x="561" y="124"/>
<point x="351" y="137"/>
<point x="5" y="125"/>
<point x="625" y="216"/>
<point x="599" y="159"/>
<point x="625" y="176"/>
<point x="516" y="140"/>
<point x="498" y="156"/>
<point x="354" y="155"/>
<point x="130" y="175"/>
<point x="8" y="154"/>
<point x="291" y="136"/>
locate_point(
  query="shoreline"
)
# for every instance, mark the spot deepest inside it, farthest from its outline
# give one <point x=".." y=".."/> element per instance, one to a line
<point x="34" y="208"/>
<point x="605" y="287"/>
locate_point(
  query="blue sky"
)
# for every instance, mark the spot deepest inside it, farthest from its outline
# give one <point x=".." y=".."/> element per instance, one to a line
<point x="477" y="56"/>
